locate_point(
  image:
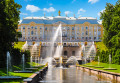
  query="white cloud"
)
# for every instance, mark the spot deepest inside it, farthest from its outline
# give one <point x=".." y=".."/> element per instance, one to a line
<point x="100" y="21"/>
<point x="51" y="9"/>
<point x="50" y="4"/>
<point x="93" y="1"/>
<point x="67" y="12"/>
<point x="20" y="21"/>
<point x="23" y="13"/>
<point x="81" y="10"/>
<point x="100" y="11"/>
<point x="73" y="1"/>
<point x="32" y="8"/>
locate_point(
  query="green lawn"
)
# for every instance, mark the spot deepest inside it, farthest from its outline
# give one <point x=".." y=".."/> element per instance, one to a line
<point x="105" y="65"/>
<point x="19" y="45"/>
<point x="101" y="46"/>
<point x="23" y="75"/>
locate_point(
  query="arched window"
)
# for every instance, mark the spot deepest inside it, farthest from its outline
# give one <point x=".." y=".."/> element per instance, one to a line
<point x="86" y="33"/>
<point x="35" y="27"/>
<point x="86" y="28"/>
<point x="45" y="28"/>
<point x="32" y="32"/>
<point x="73" y="53"/>
<point x="65" y="53"/>
<point x="32" y="27"/>
<point x="68" y="28"/>
<point x="72" y="28"/>
<point x="40" y="27"/>
<point x="24" y="27"/>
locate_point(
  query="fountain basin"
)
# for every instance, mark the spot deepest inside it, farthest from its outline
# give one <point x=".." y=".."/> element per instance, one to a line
<point x="98" y="67"/>
<point x="23" y="71"/>
<point x="9" y="77"/>
<point x="31" y="68"/>
<point x="110" y="69"/>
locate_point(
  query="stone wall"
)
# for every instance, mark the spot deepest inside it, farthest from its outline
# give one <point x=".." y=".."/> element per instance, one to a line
<point x="71" y="51"/>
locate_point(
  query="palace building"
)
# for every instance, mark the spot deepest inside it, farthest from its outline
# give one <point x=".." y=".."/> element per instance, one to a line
<point x="75" y="32"/>
<point x="73" y="29"/>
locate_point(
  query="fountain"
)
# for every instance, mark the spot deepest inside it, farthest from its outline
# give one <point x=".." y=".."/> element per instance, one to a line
<point x="83" y="53"/>
<point x="23" y="66"/>
<point x="110" y="60"/>
<point x="99" y="63"/>
<point x="25" y="46"/>
<point x="61" y="62"/>
<point x="57" y="37"/>
<point x="92" y="48"/>
<point x="72" y="60"/>
<point x="9" y="69"/>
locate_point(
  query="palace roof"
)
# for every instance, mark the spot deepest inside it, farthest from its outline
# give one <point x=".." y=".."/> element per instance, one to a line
<point x="66" y="20"/>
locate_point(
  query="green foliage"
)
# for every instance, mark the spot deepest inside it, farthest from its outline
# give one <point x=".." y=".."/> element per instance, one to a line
<point x="19" y="45"/>
<point x="27" y="55"/>
<point x="9" y="17"/>
<point x="106" y="65"/>
<point x="16" y="56"/>
<point x="101" y="46"/>
<point x="111" y="22"/>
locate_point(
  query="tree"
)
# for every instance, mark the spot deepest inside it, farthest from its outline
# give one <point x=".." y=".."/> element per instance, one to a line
<point x="111" y="23"/>
<point x="9" y="17"/>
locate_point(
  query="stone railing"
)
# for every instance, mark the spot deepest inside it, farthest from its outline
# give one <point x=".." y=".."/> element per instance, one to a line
<point x="114" y="77"/>
<point x="37" y="76"/>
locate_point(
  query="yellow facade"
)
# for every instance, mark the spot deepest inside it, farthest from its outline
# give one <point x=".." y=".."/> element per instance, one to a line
<point x="74" y="32"/>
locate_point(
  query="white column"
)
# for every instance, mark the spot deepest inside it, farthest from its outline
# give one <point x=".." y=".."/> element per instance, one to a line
<point x="70" y="33"/>
<point x="43" y="33"/>
<point x="97" y="33"/>
<point x="75" y="32"/>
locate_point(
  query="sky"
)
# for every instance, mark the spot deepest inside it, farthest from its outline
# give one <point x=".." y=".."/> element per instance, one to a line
<point x="81" y="8"/>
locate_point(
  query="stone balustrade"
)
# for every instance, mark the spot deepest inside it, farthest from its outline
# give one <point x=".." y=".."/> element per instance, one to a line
<point x="37" y="76"/>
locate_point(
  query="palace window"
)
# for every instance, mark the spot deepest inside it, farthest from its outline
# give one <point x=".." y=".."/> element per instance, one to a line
<point x="35" y="27"/>
<point x="86" y="33"/>
<point x="89" y="33"/>
<point x="40" y="27"/>
<point x="94" y="38"/>
<point x="23" y="32"/>
<point x="23" y="37"/>
<point x="72" y="28"/>
<point x="99" y="32"/>
<point x="73" y="53"/>
<point x="95" y="33"/>
<point x="23" y="27"/>
<point x="95" y="28"/>
<point x="28" y="33"/>
<point x="28" y="37"/>
<point x="68" y="28"/>
<point x="32" y="27"/>
<point x="72" y="32"/>
<point x="28" y="27"/>
<point x="65" y="53"/>
<point x="99" y="27"/>
<point x="82" y="33"/>
<point x="35" y="32"/>
<point x="82" y="37"/>
<point x="82" y="28"/>
<point x="89" y="37"/>
<point x="86" y="28"/>
<point x="32" y="32"/>
<point x="45" y="28"/>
